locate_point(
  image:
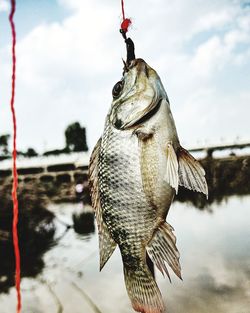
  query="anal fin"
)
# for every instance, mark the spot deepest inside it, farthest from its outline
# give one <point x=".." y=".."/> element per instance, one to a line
<point x="191" y="173"/>
<point x="162" y="248"/>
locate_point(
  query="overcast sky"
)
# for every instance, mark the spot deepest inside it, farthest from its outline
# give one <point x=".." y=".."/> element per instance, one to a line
<point x="69" y="56"/>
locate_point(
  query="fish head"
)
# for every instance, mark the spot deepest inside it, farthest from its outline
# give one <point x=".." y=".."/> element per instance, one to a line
<point x="136" y="96"/>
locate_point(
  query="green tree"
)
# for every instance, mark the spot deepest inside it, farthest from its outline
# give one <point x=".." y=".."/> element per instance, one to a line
<point x="4" y="140"/>
<point x="75" y="136"/>
<point x="31" y="153"/>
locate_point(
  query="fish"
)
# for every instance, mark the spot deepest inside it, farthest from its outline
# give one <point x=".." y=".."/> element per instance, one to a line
<point x="135" y="170"/>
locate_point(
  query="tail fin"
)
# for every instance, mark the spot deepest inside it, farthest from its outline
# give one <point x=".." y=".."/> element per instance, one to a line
<point x="144" y="294"/>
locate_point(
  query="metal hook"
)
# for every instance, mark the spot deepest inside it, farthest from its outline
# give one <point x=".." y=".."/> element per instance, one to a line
<point x="130" y="47"/>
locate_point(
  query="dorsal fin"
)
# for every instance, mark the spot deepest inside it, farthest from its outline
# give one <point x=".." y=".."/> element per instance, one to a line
<point x="106" y="243"/>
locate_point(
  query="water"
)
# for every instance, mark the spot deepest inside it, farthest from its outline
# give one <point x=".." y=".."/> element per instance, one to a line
<point x="215" y="258"/>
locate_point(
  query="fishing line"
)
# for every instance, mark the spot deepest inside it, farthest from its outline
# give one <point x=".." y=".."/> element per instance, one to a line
<point x="126" y="22"/>
<point x="14" y="154"/>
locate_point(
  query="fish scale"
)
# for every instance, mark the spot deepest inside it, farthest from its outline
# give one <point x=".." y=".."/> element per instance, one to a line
<point x="135" y="169"/>
<point x="123" y="206"/>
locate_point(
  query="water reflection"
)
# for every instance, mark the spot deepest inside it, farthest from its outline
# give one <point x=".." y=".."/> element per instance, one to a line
<point x="225" y="178"/>
<point x="59" y="249"/>
<point x="215" y="254"/>
<point x="84" y="220"/>
<point x="36" y="231"/>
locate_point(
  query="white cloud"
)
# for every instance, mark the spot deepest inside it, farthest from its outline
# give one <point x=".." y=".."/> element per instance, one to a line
<point x="213" y="20"/>
<point x="4" y="6"/>
<point x="209" y="56"/>
<point x="66" y="69"/>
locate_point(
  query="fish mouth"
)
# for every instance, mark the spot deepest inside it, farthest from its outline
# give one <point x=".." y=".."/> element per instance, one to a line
<point x="140" y="64"/>
<point x="139" y="119"/>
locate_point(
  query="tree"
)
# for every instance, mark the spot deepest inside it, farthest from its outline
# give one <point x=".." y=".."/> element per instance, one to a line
<point x="4" y="139"/>
<point x="75" y="136"/>
<point x="31" y="153"/>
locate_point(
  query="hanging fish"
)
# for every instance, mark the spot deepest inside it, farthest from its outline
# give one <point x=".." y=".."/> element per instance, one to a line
<point x="135" y="170"/>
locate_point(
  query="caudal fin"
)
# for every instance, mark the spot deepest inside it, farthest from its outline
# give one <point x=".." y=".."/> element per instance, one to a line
<point x="144" y="294"/>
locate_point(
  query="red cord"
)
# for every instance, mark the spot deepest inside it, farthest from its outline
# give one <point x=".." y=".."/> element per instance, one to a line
<point x="123" y="13"/>
<point x="14" y="154"/>
<point x="126" y="22"/>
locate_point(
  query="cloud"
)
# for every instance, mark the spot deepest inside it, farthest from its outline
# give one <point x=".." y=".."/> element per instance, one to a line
<point x="62" y="68"/>
<point x="66" y="69"/>
<point x="4" y="6"/>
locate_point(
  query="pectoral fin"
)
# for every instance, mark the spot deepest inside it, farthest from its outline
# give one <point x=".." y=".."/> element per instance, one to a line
<point x="106" y="243"/>
<point x="191" y="173"/>
<point x="172" y="175"/>
<point x="161" y="248"/>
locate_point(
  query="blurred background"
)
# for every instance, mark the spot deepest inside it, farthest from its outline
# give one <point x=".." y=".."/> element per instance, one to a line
<point x="69" y="56"/>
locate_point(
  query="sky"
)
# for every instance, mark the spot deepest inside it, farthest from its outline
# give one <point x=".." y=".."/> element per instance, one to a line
<point x="69" y="56"/>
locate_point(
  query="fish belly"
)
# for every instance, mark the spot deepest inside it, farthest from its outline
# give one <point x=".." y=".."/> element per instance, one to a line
<point x="153" y="154"/>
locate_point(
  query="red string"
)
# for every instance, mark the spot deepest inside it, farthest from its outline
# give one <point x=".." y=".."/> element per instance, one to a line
<point x="126" y="22"/>
<point x="14" y="154"/>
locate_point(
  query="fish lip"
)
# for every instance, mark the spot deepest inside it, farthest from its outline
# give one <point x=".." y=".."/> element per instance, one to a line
<point x="135" y="62"/>
<point x="118" y="124"/>
<point x="128" y="65"/>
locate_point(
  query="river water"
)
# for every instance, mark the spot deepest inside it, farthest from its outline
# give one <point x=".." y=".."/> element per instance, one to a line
<point x="215" y="257"/>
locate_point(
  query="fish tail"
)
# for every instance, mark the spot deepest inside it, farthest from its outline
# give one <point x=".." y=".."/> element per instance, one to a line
<point x="143" y="291"/>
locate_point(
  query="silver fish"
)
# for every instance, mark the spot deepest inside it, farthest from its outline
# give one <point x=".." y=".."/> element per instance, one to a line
<point x="135" y="170"/>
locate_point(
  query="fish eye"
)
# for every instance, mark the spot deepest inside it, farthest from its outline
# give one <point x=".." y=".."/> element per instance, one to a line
<point x="117" y="89"/>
